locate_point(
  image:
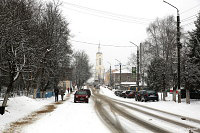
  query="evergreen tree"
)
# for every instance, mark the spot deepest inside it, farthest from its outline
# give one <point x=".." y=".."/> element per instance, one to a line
<point x="193" y="64"/>
<point x="156" y="74"/>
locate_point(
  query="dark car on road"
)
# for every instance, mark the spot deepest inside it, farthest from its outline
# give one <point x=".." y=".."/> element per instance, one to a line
<point x="146" y="95"/>
<point x="88" y="92"/>
<point x="81" y="96"/>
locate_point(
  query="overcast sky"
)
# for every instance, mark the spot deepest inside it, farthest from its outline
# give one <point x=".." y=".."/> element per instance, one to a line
<point x="117" y="22"/>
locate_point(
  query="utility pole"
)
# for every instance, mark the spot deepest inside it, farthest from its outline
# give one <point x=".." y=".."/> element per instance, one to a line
<point x="178" y="52"/>
<point x="178" y="49"/>
<point x="138" y="66"/>
<point x="141" y="66"/>
<point x="110" y="75"/>
<point x="120" y="69"/>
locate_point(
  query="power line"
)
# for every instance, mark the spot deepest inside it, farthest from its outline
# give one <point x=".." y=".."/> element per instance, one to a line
<point x="106" y="12"/>
<point x="188" y="24"/>
<point x="193" y="16"/>
<point x="189" y="9"/>
<point x="98" y="44"/>
<point x="189" y="19"/>
<point x="122" y="20"/>
<point x="110" y="14"/>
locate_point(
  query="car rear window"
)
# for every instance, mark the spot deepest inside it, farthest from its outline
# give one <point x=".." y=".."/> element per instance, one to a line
<point x="81" y="92"/>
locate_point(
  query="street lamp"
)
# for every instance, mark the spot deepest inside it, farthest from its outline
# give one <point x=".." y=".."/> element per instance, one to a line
<point x="110" y="74"/>
<point x="137" y="64"/>
<point x="120" y="69"/>
<point x="178" y="44"/>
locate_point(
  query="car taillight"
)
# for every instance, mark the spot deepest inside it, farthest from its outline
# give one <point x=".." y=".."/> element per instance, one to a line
<point x="76" y="96"/>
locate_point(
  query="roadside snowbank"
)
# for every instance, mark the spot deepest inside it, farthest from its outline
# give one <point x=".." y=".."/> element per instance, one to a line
<point x="19" y="107"/>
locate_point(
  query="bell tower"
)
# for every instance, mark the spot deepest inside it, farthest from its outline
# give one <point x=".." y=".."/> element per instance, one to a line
<point x="99" y="71"/>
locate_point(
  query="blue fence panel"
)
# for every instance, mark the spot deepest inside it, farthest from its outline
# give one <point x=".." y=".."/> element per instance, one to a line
<point x="48" y="94"/>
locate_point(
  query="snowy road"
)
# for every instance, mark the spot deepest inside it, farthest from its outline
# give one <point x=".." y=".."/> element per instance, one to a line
<point x="115" y="123"/>
<point x="105" y="113"/>
<point x="129" y="112"/>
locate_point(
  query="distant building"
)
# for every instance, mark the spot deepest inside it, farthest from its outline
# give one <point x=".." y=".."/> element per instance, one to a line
<point x="99" y="70"/>
<point x="127" y="78"/>
<point x="109" y="79"/>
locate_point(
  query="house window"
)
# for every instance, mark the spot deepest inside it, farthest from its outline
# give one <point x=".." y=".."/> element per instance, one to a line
<point x="99" y="61"/>
<point x="128" y="78"/>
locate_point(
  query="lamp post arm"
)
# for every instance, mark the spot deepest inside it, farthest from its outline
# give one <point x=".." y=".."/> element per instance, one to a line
<point x="118" y="61"/>
<point x="134" y="44"/>
<point x="172" y="6"/>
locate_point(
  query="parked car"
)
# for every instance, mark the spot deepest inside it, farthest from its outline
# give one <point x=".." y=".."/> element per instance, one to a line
<point x="81" y="96"/>
<point x="146" y="95"/>
<point x="123" y="94"/>
<point x="131" y="94"/>
<point x="138" y="95"/>
<point x="117" y="92"/>
<point x="151" y="95"/>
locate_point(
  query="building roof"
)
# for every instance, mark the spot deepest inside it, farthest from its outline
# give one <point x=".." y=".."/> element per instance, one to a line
<point x="128" y="83"/>
<point x="123" y="71"/>
<point x="132" y="83"/>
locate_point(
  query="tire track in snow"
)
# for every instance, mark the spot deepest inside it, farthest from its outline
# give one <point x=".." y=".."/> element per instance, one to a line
<point x="161" y="111"/>
<point x="196" y="129"/>
<point x="105" y="116"/>
<point x="133" y="118"/>
<point x="112" y="123"/>
<point x="159" y="117"/>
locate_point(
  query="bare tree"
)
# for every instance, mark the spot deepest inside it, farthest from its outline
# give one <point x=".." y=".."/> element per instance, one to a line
<point x="34" y="47"/>
<point x="161" y="43"/>
<point x="81" y="68"/>
<point x="15" y="16"/>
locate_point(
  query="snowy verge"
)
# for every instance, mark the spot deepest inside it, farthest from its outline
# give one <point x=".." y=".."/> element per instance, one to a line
<point x="19" y="107"/>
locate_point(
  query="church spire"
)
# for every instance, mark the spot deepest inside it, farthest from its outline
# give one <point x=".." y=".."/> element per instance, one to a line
<point x="99" y="48"/>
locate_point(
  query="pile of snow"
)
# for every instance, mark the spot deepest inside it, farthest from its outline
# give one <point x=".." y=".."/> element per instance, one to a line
<point x="19" y="107"/>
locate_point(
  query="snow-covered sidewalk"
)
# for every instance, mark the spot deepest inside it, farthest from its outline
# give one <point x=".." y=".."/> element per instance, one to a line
<point x="67" y="117"/>
<point x="19" y="107"/>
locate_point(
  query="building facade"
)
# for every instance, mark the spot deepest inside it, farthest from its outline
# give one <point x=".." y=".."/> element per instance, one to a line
<point x="126" y="77"/>
<point x="99" y="70"/>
